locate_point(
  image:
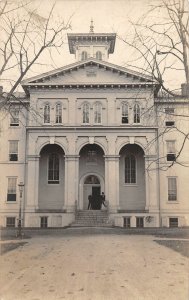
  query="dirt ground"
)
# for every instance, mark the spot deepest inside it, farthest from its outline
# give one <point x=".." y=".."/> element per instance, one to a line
<point x="93" y="267"/>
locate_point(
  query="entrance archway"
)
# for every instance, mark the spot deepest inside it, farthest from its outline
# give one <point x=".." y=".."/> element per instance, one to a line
<point x="91" y="173"/>
<point x="132" y="178"/>
<point x="92" y="187"/>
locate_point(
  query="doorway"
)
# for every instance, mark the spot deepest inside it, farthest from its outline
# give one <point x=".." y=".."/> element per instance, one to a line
<point x="91" y="186"/>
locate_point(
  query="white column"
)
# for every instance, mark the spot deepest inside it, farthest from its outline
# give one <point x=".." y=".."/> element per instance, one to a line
<point x="152" y="191"/>
<point x="112" y="181"/>
<point x="32" y="182"/>
<point x="71" y="181"/>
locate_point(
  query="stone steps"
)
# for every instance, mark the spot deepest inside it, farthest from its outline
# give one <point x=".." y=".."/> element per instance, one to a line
<point x="91" y="218"/>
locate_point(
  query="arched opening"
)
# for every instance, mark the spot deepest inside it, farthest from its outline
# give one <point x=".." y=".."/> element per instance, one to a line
<point x="91" y="173"/>
<point x="99" y="55"/>
<point x="132" y="178"/>
<point x="51" y="177"/>
<point x="84" y="55"/>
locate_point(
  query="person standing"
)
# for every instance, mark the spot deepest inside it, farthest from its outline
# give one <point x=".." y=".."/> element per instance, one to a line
<point x="103" y="199"/>
<point x="90" y="202"/>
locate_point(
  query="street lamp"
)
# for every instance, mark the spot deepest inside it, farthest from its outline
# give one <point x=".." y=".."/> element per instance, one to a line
<point x="21" y="188"/>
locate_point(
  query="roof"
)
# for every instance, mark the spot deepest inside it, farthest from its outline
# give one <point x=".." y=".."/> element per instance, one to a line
<point x="89" y="61"/>
<point x="74" y="38"/>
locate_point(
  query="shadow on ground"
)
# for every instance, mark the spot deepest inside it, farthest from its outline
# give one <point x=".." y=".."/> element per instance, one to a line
<point x="10" y="246"/>
<point x="179" y="246"/>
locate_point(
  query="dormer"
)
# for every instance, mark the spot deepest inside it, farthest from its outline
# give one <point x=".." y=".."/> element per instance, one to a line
<point x="91" y="45"/>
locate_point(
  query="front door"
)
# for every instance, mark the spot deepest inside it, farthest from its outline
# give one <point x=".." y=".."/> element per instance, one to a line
<point x="96" y="197"/>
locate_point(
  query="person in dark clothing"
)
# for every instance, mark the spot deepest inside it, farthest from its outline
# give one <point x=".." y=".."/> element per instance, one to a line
<point x="103" y="199"/>
<point x="90" y="198"/>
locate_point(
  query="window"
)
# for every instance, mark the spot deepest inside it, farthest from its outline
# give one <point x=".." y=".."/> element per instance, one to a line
<point x="11" y="191"/>
<point x="83" y="55"/>
<point x="173" y="222"/>
<point x="91" y="156"/>
<point x="47" y="113"/>
<point x="86" y="110"/>
<point x="14" y="117"/>
<point x="92" y="179"/>
<point x="13" y="150"/>
<point x="53" y="169"/>
<point x="58" y="117"/>
<point x="171" y="155"/>
<point x="169" y="123"/>
<point x="139" y="222"/>
<point x="127" y="222"/>
<point x="136" y="113"/>
<point x="97" y="113"/>
<point x="10" y="222"/>
<point x="130" y="169"/>
<point x="172" y="188"/>
<point x="99" y="55"/>
<point x="169" y="110"/>
<point x="125" y="115"/>
<point x="44" y="222"/>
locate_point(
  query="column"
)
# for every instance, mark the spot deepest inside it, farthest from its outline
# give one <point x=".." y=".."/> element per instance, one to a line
<point x="112" y="181"/>
<point x="71" y="182"/>
<point x="32" y="182"/>
<point x="151" y="178"/>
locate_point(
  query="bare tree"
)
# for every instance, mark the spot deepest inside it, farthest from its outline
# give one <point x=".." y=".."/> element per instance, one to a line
<point x="25" y="36"/>
<point x="163" y="30"/>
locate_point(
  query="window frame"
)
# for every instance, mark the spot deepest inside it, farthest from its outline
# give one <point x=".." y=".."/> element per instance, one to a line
<point x="13" y="153"/>
<point x="44" y="222"/>
<point x="171" y="150"/>
<point x="86" y="104"/>
<point x="171" y="189"/>
<point x="14" y="120"/>
<point x="58" y="113"/>
<point x="138" y="223"/>
<point x="53" y="170"/>
<point x="13" y="191"/>
<point x="98" y="55"/>
<point x="127" y="222"/>
<point x="84" y="55"/>
<point x="97" y="110"/>
<point x="130" y="155"/>
<point x="174" y="224"/>
<point x="12" y="224"/>
<point x="123" y="114"/>
<point x="47" y="116"/>
<point x="136" y="113"/>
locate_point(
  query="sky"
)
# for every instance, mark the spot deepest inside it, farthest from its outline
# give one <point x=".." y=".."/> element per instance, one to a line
<point x="109" y="16"/>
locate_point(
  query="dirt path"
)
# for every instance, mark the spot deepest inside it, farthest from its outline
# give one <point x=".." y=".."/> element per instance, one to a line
<point x="91" y="267"/>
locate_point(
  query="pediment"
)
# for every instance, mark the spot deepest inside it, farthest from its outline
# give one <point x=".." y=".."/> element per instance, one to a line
<point x="91" y="71"/>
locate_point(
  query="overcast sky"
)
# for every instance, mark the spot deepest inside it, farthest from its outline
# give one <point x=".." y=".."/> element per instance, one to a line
<point x="108" y="16"/>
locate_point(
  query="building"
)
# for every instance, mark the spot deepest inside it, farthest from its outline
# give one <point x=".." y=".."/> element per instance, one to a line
<point x="93" y="127"/>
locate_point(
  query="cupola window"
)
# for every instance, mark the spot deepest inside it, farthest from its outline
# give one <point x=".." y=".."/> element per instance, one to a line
<point x="99" y="55"/>
<point x="83" y="55"/>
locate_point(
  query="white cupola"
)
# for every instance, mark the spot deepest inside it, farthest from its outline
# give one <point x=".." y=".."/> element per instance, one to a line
<point x="91" y="45"/>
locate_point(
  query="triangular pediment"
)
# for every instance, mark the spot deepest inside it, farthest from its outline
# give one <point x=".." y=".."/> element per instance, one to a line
<point x="91" y="71"/>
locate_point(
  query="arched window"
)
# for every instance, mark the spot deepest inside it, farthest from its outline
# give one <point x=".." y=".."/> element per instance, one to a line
<point x="47" y="113"/>
<point x="136" y="113"/>
<point x="99" y="55"/>
<point x="86" y="110"/>
<point x="92" y="179"/>
<point x="83" y="55"/>
<point x="53" y="168"/>
<point x="97" y="113"/>
<point x="125" y="114"/>
<point x="130" y="169"/>
<point x="58" y="117"/>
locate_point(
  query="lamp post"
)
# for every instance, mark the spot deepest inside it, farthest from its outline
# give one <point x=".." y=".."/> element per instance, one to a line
<point x="21" y="187"/>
